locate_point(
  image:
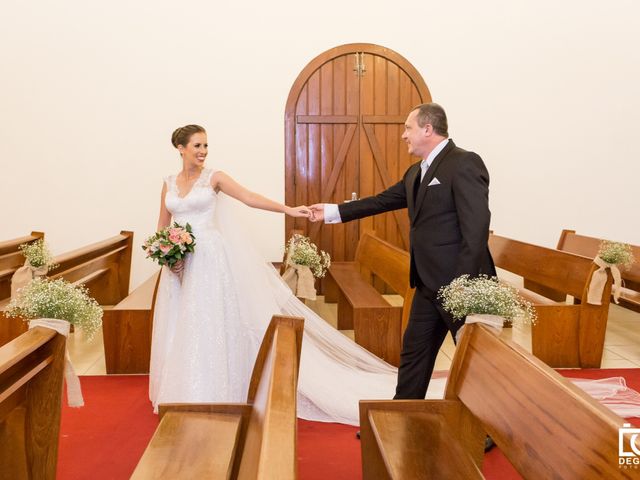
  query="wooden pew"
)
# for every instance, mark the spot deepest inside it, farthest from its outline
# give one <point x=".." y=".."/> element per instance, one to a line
<point x="378" y="326"/>
<point x="31" y="369"/>
<point x="127" y="330"/>
<point x="572" y="242"/>
<point x="565" y="335"/>
<point x="256" y="440"/>
<point x="103" y="267"/>
<point x="545" y="426"/>
<point x="11" y="259"/>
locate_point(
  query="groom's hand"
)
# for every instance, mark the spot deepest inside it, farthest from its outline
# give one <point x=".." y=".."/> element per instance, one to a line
<point x="317" y="212"/>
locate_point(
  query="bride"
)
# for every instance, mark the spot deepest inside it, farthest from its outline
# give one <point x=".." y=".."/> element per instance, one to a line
<point x="212" y="309"/>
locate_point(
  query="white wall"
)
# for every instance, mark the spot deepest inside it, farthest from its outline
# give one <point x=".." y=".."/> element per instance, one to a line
<point x="90" y="92"/>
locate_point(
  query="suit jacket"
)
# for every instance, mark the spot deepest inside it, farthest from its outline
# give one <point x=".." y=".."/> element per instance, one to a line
<point x="449" y="222"/>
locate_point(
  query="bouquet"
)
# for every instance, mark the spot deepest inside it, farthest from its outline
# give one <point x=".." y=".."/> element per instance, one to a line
<point x="616" y="253"/>
<point x="38" y="255"/>
<point x="611" y="255"/>
<point x="300" y="251"/>
<point x="170" y="244"/>
<point x="484" y="295"/>
<point x="38" y="261"/>
<point x="45" y="298"/>
<point x="303" y="262"/>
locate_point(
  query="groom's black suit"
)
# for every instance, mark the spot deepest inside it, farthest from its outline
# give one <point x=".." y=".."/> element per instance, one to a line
<point x="448" y="238"/>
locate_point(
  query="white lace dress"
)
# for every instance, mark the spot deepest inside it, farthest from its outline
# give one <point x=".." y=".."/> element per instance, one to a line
<point x="199" y="352"/>
<point x="207" y="328"/>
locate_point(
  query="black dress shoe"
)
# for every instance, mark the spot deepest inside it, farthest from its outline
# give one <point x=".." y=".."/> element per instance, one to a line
<point x="358" y="434"/>
<point x="488" y="443"/>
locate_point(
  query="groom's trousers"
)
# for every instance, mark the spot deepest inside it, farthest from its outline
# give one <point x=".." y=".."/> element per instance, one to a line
<point x="426" y="330"/>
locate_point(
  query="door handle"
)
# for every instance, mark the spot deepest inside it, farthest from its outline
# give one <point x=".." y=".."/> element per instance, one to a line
<point x="354" y="197"/>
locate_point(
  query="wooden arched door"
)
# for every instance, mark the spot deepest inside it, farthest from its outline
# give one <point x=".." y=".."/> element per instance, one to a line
<point x="344" y="118"/>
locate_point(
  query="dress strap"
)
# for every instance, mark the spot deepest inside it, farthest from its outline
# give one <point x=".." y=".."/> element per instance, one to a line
<point x="170" y="182"/>
<point x="205" y="178"/>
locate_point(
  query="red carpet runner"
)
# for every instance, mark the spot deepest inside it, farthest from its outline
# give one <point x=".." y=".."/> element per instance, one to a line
<point x="105" y="438"/>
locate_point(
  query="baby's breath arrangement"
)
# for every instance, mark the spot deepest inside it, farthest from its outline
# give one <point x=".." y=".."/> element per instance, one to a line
<point x="616" y="253"/>
<point x="45" y="298"/>
<point x="38" y="254"/>
<point x="301" y="251"/>
<point x="484" y="295"/>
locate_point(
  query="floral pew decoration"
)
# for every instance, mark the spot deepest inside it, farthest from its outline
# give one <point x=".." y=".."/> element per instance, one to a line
<point x="57" y="304"/>
<point x="303" y="262"/>
<point x="612" y="255"/>
<point x="38" y="262"/>
<point x="484" y="299"/>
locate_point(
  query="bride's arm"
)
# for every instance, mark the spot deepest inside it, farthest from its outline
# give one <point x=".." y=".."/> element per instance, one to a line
<point x="165" y="217"/>
<point x="220" y="181"/>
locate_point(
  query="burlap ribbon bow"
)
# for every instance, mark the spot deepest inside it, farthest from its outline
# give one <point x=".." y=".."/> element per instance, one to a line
<point x="300" y="280"/>
<point x="74" y="392"/>
<point x="24" y="275"/>
<point x="599" y="280"/>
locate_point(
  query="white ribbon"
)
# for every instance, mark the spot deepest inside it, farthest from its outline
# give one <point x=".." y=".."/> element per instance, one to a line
<point x="74" y="392"/>
<point x="599" y="280"/>
<point x="494" y="321"/>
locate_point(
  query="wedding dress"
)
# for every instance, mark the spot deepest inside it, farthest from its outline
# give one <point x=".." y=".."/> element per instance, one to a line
<point x="207" y="327"/>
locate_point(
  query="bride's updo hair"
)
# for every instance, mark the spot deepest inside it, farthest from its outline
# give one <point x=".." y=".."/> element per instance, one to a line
<point x="182" y="135"/>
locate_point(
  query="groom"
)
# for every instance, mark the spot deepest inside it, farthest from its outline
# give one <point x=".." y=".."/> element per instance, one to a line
<point x="447" y="195"/>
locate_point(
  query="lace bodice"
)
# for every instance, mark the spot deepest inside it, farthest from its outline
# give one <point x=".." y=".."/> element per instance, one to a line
<point x="197" y="206"/>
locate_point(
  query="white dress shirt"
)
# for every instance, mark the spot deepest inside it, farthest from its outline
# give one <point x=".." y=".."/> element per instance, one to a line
<point x="331" y="211"/>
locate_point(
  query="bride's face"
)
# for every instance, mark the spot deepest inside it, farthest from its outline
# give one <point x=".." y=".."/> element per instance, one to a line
<point x="195" y="152"/>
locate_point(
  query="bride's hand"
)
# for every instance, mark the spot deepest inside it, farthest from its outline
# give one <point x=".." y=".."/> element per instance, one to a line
<point x="177" y="267"/>
<point x="301" y="211"/>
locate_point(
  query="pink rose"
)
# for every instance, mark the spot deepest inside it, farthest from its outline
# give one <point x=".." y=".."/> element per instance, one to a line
<point x="165" y="248"/>
<point x="174" y="237"/>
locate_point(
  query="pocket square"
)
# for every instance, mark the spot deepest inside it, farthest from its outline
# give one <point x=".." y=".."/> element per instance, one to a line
<point x="435" y="181"/>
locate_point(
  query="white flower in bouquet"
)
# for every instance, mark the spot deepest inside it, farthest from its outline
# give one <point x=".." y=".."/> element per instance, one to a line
<point x="300" y="251"/>
<point x="616" y="253"/>
<point x="38" y="254"/>
<point x="45" y="298"/>
<point x="484" y="295"/>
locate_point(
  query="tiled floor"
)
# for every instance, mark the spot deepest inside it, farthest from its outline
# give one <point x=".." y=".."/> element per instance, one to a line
<point x="621" y="345"/>
<point x="87" y="356"/>
<point x="622" y="341"/>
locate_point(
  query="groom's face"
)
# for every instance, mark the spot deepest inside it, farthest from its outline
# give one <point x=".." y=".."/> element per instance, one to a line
<point x="415" y="136"/>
